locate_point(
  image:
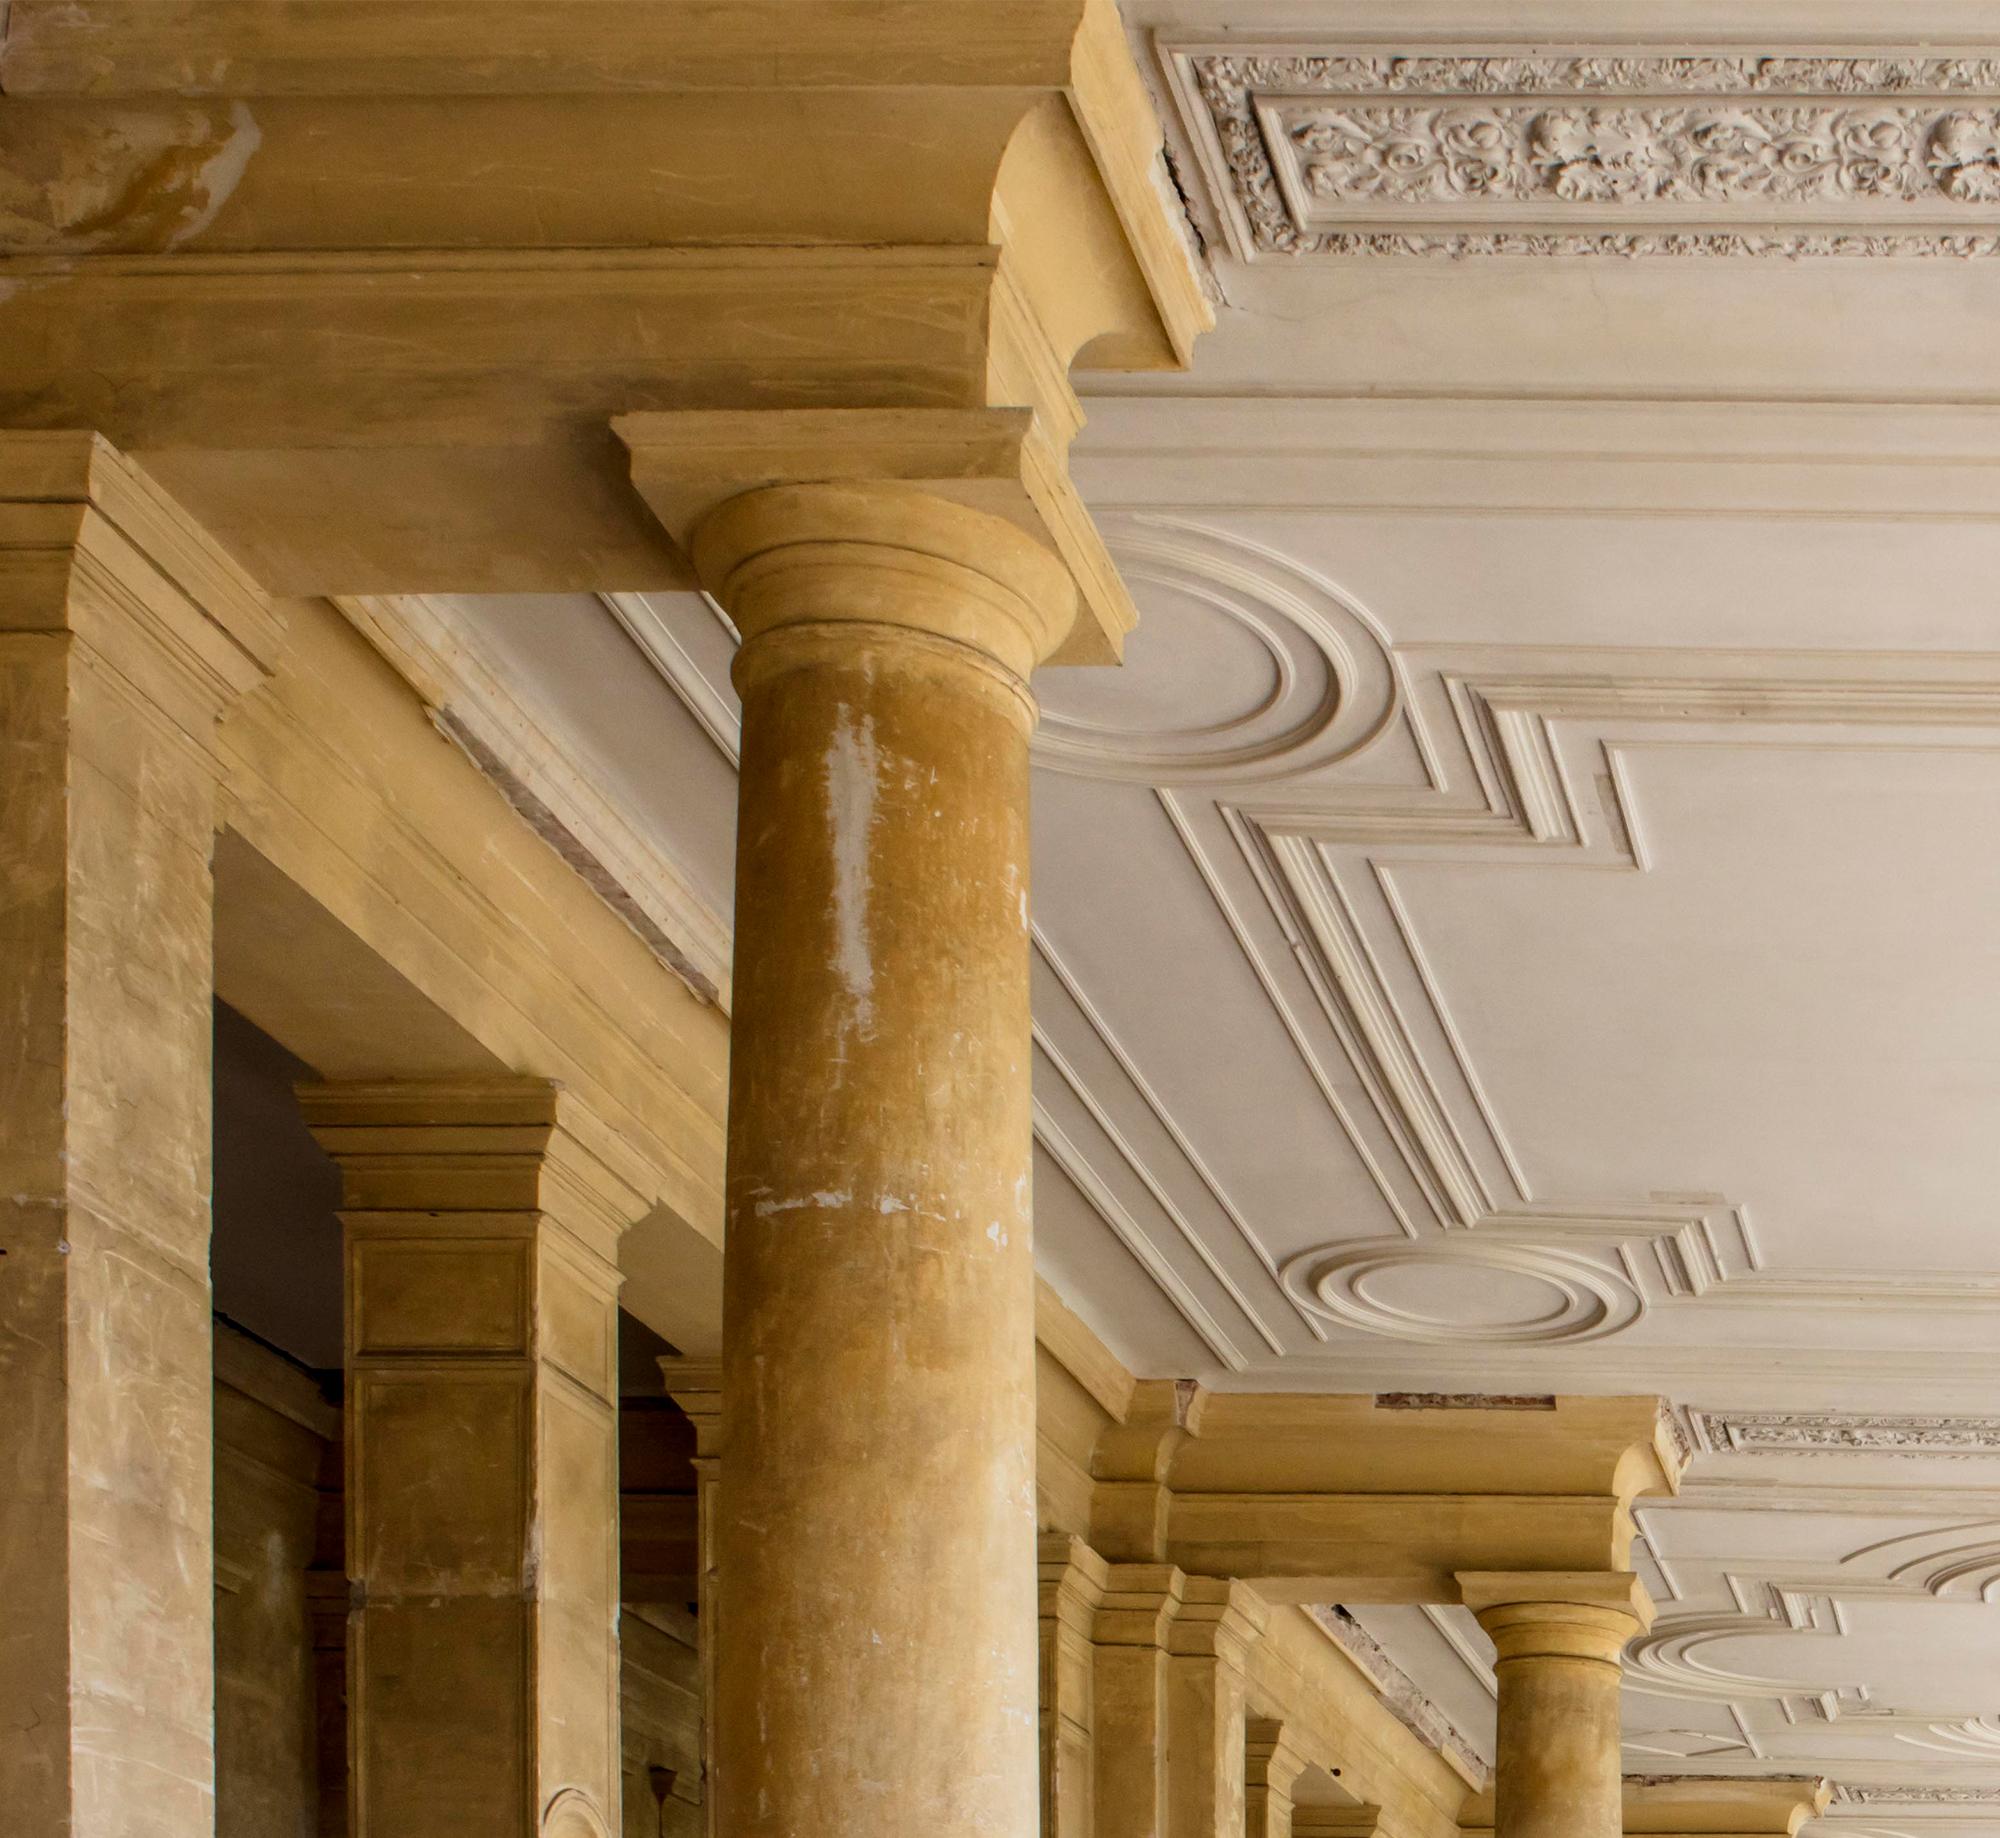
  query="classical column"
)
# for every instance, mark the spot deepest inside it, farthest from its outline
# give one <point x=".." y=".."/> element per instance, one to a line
<point x="1559" y="1637"/>
<point x="1272" y="1764"/>
<point x="124" y="633"/>
<point x="875" y="1511"/>
<point x="482" y="1225"/>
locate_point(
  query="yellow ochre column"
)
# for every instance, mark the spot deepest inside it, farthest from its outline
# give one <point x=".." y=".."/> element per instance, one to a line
<point x="875" y="1513"/>
<point x="1559" y="1639"/>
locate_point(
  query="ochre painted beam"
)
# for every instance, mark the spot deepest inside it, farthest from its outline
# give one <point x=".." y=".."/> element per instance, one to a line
<point x="610" y="209"/>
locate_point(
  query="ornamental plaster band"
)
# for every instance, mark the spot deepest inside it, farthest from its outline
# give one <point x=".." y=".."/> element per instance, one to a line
<point x="1380" y="149"/>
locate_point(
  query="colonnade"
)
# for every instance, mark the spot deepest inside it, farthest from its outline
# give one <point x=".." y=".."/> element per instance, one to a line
<point x="848" y="408"/>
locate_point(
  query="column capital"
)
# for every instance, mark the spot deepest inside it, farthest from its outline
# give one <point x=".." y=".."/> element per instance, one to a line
<point x="695" y="1384"/>
<point x="1558" y="1613"/>
<point x="1218" y="1619"/>
<point x="1271" y="1759"/>
<point x="91" y="545"/>
<point x="1139" y="1604"/>
<point x="517" y="1145"/>
<point x="959" y="523"/>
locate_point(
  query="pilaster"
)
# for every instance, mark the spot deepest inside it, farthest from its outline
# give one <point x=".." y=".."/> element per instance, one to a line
<point x="1210" y="1640"/>
<point x="1272" y="1764"/>
<point x="125" y="632"/>
<point x="482" y="1227"/>
<point x="695" y="1384"/>
<point x="1132" y="1686"/>
<point x="1073" y="1580"/>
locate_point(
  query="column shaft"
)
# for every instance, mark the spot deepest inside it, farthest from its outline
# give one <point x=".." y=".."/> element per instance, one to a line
<point x="113" y="672"/>
<point x="482" y="1468"/>
<point x="875" y="1510"/>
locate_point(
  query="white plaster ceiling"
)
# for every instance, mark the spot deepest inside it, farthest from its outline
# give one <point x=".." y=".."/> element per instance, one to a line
<point x="1527" y="915"/>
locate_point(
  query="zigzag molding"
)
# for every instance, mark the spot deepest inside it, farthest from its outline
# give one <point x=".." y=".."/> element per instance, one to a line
<point x="1499" y="778"/>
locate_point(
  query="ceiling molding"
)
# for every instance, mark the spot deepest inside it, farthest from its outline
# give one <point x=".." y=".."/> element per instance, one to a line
<point x="1331" y="149"/>
<point x="1642" y="457"/>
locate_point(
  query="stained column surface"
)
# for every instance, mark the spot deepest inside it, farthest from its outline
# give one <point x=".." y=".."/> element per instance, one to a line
<point x="876" y="1499"/>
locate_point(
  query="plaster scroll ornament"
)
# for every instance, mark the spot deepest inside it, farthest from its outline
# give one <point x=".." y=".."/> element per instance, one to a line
<point x="1600" y="152"/>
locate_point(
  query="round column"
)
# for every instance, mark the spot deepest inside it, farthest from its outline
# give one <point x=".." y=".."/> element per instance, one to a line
<point x="875" y="1507"/>
<point x="1556" y="1773"/>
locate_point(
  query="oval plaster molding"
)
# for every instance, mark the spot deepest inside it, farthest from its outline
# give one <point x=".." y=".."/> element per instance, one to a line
<point x="1325" y="683"/>
<point x="1581" y="1299"/>
<point x="1969" y="1736"/>
<point x="1947" y="1561"/>
<point x="1669" y="1661"/>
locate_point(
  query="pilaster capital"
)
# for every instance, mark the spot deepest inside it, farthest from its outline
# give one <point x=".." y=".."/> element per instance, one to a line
<point x="476" y="1147"/>
<point x="1336" y="1821"/>
<point x="1073" y="1581"/>
<point x="958" y="523"/>
<point x="1139" y="1605"/>
<point x="1271" y="1758"/>
<point x="1549" y="1614"/>
<point x="695" y="1384"/>
<point x="92" y="546"/>
<point x="1219" y="1619"/>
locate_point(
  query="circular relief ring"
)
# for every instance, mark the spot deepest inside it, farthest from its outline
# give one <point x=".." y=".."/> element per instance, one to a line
<point x="1465" y="1291"/>
<point x="1245" y="667"/>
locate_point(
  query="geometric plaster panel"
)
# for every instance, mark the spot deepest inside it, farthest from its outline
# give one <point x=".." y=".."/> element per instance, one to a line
<point x="1387" y="150"/>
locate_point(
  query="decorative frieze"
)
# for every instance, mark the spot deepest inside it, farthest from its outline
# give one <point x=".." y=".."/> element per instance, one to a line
<point x="1599" y="151"/>
<point x="1839" y="1433"/>
<point x="1850" y="1794"/>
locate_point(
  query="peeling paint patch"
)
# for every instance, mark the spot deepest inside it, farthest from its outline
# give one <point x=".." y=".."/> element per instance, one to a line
<point x="137" y="179"/>
<point x="218" y="176"/>
<point x="851" y="776"/>
<point x="825" y="1198"/>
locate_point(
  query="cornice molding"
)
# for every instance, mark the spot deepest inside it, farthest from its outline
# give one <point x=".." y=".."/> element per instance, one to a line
<point x="1797" y="151"/>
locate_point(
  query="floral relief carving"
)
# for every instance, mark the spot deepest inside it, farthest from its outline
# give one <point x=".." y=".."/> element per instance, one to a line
<point x="1833" y="1433"/>
<point x="1677" y="155"/>
<point x="1314" y="147"/>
